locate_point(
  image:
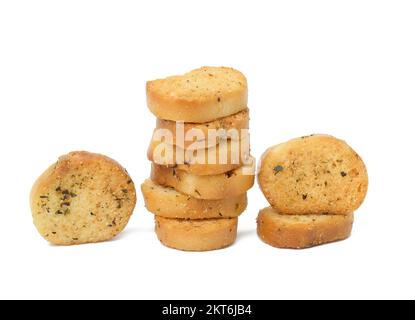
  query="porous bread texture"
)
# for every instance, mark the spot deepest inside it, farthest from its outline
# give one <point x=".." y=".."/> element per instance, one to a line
<point x="221" y="158"/>
<point x="185" y="134"/>
<point x="220" y="186"/>
<point x="201" y="95"/>
<point x="169" y="203"/>
<point x="313" y="175"/>
<point x="84" y="197"/>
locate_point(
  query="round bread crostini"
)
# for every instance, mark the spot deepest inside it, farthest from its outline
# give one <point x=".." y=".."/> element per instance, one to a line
<point x="313" y="175"/>
<point x="224" y="127"/>
<point x="203" y="161"/>
<point x="199" y="96"/>
<point x="220" y="186"/>
<point x="196" y="235"/>
<point x="302" y="231"/>
<point x="169" y="203"/>
<point x="84" y="197"/>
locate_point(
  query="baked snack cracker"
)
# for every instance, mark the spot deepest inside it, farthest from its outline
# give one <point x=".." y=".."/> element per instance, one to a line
<point x="302" y="231"/>
<point x="226" y="126"/>
<point x="220" y="186"/>
<point x="196" y="235"/>
<point x="313" y="175"/>
<point x="201" y="95"/>
<point x="84" y="197"/>
<point x="218" y="159"/>
<point x="169" y="203"/>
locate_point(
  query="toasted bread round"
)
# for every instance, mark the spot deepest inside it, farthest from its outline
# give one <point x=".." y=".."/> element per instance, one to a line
<point x="220" y="186"/>
<point x="169" y="203"/>
<point x="196" y="235"/>
<point x="191" y="132"/>
<point x="313" y="175"/>
<point x="221" y="158"/>
<point x="302" y="231"/>
<point x="84" y="197"/>
<point x="201" y="95"/>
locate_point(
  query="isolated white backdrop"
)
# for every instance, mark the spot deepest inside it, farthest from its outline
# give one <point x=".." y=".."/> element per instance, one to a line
<point x="72" y="77"/>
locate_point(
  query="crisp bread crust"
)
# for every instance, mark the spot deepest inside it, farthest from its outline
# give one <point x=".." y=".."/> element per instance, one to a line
<point x="201" y="95"/>
<point x="225" y="156"/>
<point x="313" y="175"/>
<point x="302" y="231"/>
<point x="84" y="197"/>
<point x="196" y="235"/>
<point x="231" y="124"/>
<point x="169" y="203"/>
<point x="220" y="186"/>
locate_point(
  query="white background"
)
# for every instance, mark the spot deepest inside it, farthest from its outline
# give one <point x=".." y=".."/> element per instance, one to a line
<point x="72" y="76"/>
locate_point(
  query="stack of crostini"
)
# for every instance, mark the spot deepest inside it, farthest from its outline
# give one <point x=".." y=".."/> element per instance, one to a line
<point x="314" y="185"/>
<point x="201" y="164"/>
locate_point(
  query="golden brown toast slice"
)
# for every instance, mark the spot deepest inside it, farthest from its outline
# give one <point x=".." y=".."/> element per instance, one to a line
<point x="201" y="95"/>
<point x="169" y="203"/>
<point x="313" y="175"/>
<point x="302" y="231"/>
<point x="196" y="235"/>
<point x="220" y="186"/>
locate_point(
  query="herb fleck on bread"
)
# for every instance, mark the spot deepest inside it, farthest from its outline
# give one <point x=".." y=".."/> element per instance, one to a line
<point x="84" y="197"/>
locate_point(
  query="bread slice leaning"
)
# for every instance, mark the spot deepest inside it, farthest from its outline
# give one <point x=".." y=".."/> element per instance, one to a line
<point x="224" y="128"/>
<point x="221" y="158"/>
<point x="302" y="231"/>
<point x="220" y="186"/>
<point x="202" y="95"/>
<point x="169" y="203"/>
<point x="196" y="235"/>
<point x="313" y="175"/>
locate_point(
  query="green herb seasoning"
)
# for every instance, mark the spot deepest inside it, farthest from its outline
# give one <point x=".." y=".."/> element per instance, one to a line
<point x="278" y="169"/>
